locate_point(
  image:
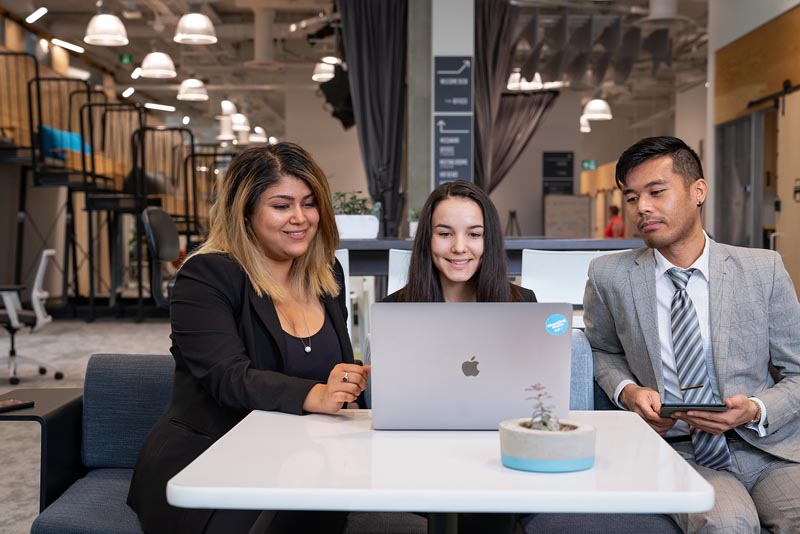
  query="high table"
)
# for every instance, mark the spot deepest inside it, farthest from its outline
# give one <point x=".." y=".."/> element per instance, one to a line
<point x="275" y="461"/>
<point x="370" y="257"/>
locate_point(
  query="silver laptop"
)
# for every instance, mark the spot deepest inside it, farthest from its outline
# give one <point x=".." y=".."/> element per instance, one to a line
<point x="465" y="366"/>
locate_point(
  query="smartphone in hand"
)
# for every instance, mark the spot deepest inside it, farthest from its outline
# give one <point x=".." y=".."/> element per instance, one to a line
<point x="667" y="409"/>
<point x="7" y="405"/>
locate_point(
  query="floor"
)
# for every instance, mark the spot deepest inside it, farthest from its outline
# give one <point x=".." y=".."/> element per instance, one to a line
<point x="65" y="345"/>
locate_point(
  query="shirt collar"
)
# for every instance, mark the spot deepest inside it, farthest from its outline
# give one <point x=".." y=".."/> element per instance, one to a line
<point x="701" y="263"/>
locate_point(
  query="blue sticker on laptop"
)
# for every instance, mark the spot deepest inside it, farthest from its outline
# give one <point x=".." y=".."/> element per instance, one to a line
<point x="556" y="324"/>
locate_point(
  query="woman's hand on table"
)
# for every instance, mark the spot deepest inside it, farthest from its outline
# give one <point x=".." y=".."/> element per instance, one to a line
<point x="345" y="383"/>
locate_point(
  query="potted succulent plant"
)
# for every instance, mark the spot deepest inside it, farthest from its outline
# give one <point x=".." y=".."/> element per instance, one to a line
<point x="355" y="218"/>
<point x="413" y="222"/>
<point x="543" y="443"/>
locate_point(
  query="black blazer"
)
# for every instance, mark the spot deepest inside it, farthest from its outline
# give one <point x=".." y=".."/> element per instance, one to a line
<point x="526" y="295"/>
<point x="230" y="353"/>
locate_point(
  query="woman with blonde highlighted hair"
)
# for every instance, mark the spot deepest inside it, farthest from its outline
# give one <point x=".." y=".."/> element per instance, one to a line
<point x="258" y="322"/>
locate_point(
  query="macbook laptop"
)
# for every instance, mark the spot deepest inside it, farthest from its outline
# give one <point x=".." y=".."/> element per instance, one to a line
<point x="465" y="366"/>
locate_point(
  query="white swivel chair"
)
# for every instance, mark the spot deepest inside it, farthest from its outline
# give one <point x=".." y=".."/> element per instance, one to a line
<point x="559" y="275"/>
<point x="399" y="261"/>
<point x="14" y="317"/>
<point x="343" y="255"/>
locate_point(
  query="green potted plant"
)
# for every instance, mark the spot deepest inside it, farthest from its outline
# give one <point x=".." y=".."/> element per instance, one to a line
<point x="542" y="443"/>
<point x="355" y="218"/>
<point x="413" y="222"/>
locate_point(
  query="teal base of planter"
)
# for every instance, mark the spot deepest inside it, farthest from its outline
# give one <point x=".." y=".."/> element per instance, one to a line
<point x="547" y="466"/>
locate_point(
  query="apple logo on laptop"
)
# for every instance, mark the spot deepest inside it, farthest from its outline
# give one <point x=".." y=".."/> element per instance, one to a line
<point x="470" y="367"/>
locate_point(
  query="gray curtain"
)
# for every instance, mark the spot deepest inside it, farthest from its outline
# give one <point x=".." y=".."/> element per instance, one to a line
<point x="375" y="48"/>
<point x="494" y="55"/>
<point x="517" y="119"/>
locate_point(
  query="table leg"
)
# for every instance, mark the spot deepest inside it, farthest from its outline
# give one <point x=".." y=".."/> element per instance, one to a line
<point x="442" y="523"/>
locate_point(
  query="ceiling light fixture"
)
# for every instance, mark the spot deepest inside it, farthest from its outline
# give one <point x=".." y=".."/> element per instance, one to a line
<point x="186" y="120"/>
<point x="597" y="110"/>
<point x="240" y="123"/>
<point x="585" y="126"/>
<point x="105" y="29"/>
<point x="36" y="15"/>
<point x="158" y="65"/>
<point x="159" y="107"/>
<point x="68" y="46"/>
<point x="273" y="140"/>
<point x="331" y="60"/>
<point x="322" y="72"/>
<point x="195" y="28"/>
<point x="259" y="135"/>
<point x="136" y="73"/>
<point x="193" y="90"/>
<point x="128" y="92"/>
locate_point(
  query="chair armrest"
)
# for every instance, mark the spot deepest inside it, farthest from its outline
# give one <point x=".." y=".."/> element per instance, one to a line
<point x="59" y="412"/>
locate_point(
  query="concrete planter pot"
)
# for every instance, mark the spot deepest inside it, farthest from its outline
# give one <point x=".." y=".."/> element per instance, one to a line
<point x="412" y="228"/>
<point x="357" y="226"/>
<point x="544" y="451"/>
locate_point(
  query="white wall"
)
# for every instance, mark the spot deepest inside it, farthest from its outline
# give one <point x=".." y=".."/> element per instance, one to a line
<point x="311" y="126"/>
<point x="521" y="190"/>
<point x="690" y="119"/>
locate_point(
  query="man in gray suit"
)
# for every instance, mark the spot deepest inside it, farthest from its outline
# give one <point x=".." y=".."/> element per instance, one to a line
<point x="689" y="320"/>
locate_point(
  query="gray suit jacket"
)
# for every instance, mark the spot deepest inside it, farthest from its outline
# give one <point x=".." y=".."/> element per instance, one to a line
<point x="755" y="321"/>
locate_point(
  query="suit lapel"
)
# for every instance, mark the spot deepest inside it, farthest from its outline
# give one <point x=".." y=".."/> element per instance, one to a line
<point x="265" y="310"/>
<point x="719" y="306"/>
<point x="643" y="286"/>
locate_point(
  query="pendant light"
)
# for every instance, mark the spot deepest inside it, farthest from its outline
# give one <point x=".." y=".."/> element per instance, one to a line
<point x="193" y="90"/>
<point x="585" y="126"/>
<point x="158" y="65"/>
<point x="597" y="110"/>
<point x="195" y="28"/>
<point x="105" y="29"/>
<point x="322" y="72"/>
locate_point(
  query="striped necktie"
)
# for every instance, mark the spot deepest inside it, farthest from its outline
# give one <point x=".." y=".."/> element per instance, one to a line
<point x="687" y="345"/>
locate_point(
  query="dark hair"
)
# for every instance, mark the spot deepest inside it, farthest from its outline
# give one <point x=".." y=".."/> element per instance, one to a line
<point x="491" y="284"/>
<point x="614" y="210"/>
<point x="685" y="161"/>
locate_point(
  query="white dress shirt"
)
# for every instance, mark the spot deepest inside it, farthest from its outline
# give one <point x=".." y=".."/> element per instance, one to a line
<point x="697" y="288"/>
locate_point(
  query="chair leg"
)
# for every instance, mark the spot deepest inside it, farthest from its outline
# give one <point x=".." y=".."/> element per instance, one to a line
<point x="13" y="359"/>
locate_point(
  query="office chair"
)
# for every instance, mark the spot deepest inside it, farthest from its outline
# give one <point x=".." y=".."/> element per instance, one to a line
<point x="14" y="317"/>
<point x="164" y="246"/>
<point x="399" y="261"/>
<point x="559" y="276"/>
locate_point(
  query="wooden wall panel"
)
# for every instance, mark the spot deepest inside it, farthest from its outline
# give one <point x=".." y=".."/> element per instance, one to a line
<point x="755" y="65"/>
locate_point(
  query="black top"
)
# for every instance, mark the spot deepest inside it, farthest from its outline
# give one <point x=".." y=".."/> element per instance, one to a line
<point x="525" y="294"/>
<point x="316" y="364"/>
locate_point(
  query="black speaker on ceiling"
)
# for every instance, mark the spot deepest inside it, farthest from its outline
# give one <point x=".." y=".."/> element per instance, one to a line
<point x="337" y="95"/>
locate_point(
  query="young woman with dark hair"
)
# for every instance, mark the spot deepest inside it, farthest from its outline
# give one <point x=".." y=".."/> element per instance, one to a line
<point x="458" y="253"/>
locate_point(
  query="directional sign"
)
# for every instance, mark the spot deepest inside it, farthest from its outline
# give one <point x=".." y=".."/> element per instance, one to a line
<point x="452" y="157"/>
<point x="452" y="84"/>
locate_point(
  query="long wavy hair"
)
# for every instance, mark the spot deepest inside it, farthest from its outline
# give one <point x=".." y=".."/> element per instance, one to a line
<point x="250" y="173"/>
<point x="490" y="280"/>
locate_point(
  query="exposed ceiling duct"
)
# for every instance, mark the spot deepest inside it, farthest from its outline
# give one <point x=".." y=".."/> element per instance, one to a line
<point x="263" y="38"/>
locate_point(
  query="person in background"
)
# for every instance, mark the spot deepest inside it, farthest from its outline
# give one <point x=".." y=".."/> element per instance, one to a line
<point x="458" y="256"/>
<point x="690" y="320"/>
<point x="458" y="253"/>
<point x="258" y="323"/>
<point x="616" y="226"/>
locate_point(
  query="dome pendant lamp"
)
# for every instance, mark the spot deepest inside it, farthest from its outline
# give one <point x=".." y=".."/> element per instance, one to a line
<point x="105" y="29"/>
<point x="195" y="28"/>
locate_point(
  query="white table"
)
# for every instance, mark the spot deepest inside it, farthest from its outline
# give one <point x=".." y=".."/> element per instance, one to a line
<point x="274" y="461"/>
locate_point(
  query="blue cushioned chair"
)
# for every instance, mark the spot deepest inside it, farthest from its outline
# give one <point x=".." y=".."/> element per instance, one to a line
<point x="123" y="396"/>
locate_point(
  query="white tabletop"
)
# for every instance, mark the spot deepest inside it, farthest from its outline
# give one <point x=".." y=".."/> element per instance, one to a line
<point x="275" y="461"/>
